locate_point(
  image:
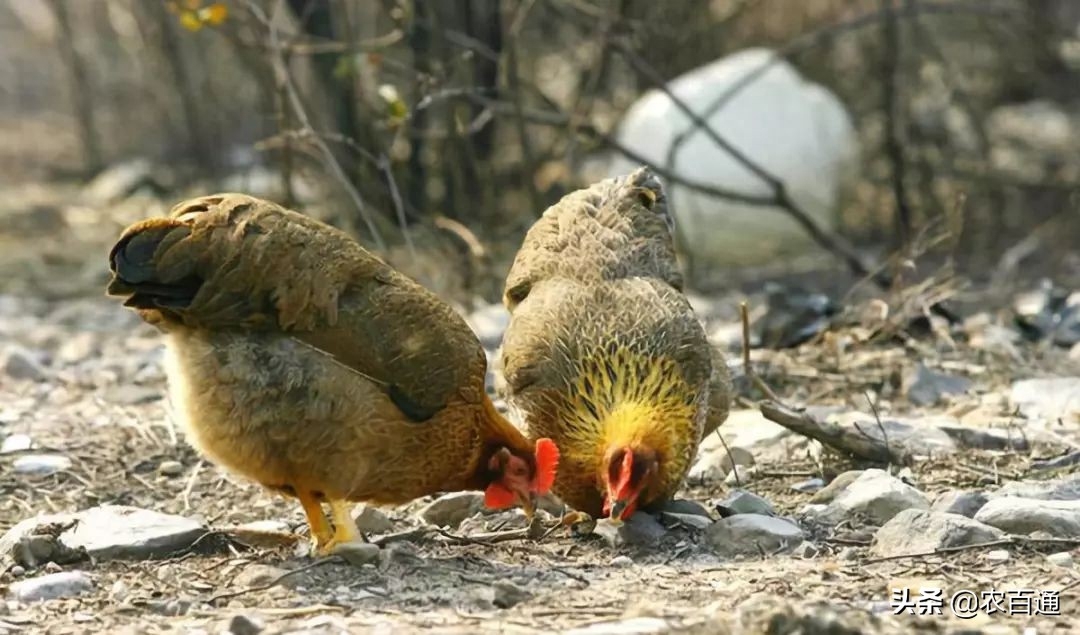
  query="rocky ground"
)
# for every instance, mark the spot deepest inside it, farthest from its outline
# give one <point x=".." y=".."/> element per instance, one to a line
<point x="111" y="523"/>
<point x="114" y="524"/>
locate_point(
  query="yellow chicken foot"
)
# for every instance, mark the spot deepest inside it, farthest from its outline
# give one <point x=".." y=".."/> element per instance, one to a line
<point x="320" y="529"/>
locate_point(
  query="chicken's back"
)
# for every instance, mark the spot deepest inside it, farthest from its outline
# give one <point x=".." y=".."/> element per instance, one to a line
<point x="587" y="363"/>
<point x="301" y="360"/>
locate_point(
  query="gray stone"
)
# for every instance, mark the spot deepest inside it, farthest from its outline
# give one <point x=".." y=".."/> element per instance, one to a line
<point x="112" y="532"/>
<point x="41" y="464"/>
<point x="1066" y="488"/>
<point x="928" y="387"/>
<point x="245" y="625"/>
<point x="621" y="561"/>
<point x="753" y="534"/>
<point x="508" y="594"/>
<point x="810" y="485"/>
<point x="986" y="438"/>
<point x="687" y="520"/>
<point x="684" y="506"/>
<point x="106" y="532"/>
<point x="962" y="502"/>
<point x="917" y="531"/>
<point x="641" y="529"/>
<point x="836" y="486"/>
<point x="743" y="502"/>
<point x="358" y="553"/>
<point x="20" y="363"/>
<point x="1053" y="398"/>
<point x="874" y="494"/>
<point x="449" y="510"/>
<point x="66" y="584"/>
<point x="371" y="520"/>
<point x="1026" y="515"/>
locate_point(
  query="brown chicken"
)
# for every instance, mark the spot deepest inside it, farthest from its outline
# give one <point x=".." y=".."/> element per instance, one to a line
<point x="604" y="354"/>
<point x="300" y="360"/>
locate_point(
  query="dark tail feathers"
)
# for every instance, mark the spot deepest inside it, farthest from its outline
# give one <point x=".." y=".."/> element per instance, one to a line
<point x="135" y="263"/>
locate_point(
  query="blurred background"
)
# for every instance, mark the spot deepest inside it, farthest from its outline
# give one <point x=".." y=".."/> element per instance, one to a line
<point x="824" y="141"/>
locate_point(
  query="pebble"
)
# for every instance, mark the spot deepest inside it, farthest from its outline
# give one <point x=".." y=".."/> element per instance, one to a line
<point x="917" y="530"/>
<point x="874" y="494"/>
<point x="1060" y="559"/>
<point x="963" y="502"/>
<point x="51" y="586"/>
<point x="753" y="534"/>
<point x="1023" y="516"/>
<point x="17" y="571"/>
<point x="508" y="594"/>
<point x="171" y="468"/>
<point x="641" y="529"/>
<point x="621" y="561"/>
<point x="20" y="363"/>
<point x="997" y="556"/>
<point x="16" y="443"/>
<point x="743" y="502"/>
<point x="451" y="509"/>
<point x="809" y="486"/>
<point x="41" y="464"/>
<point x="244" y="625"/>
<point x="371" y="520"/>
<point x="358" y="553"/>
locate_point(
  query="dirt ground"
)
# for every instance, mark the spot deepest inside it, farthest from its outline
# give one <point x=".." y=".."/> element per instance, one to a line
<point x="104" y="408"/>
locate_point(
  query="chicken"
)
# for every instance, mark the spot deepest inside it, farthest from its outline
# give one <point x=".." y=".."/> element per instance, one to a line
<point x="604" y="354"/>
<point x="300" y="360"/>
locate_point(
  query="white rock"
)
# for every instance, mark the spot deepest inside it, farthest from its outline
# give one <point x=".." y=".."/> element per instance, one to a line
<point x="65" y="584"/>
<point x="41" y="464"/>
<point x="1026" y="515"/>
<point x="632" y="626"/>
<point x="1060" y="559"/>
<point x="917" y="530"/>
<point x="997" y="556"/>
<point x="874" y="494"/>
<point x="753" y="534"/>
<point x="118" y="181"/>
<point x="796" y="130"/>
<point x="1053" y="398"/>
<point x="15" y="443"/>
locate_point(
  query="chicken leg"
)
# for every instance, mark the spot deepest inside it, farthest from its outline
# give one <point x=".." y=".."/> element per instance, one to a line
<point x="321" y="536"/>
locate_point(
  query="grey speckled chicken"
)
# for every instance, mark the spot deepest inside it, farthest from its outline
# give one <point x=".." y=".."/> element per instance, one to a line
<point x="604" y="354"/>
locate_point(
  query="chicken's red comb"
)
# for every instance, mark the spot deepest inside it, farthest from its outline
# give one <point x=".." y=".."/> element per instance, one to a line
<point x="547" y="464"/>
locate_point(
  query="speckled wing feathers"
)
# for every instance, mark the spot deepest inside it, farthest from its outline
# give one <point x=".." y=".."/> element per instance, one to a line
<point x="259" y="266"/>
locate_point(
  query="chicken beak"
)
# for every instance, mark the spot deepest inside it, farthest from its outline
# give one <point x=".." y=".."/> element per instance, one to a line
<point x="617" y="509"/>
<point x="528" y="505"/>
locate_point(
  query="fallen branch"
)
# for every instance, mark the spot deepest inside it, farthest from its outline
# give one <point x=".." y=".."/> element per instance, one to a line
<point x="841" y="438"/>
